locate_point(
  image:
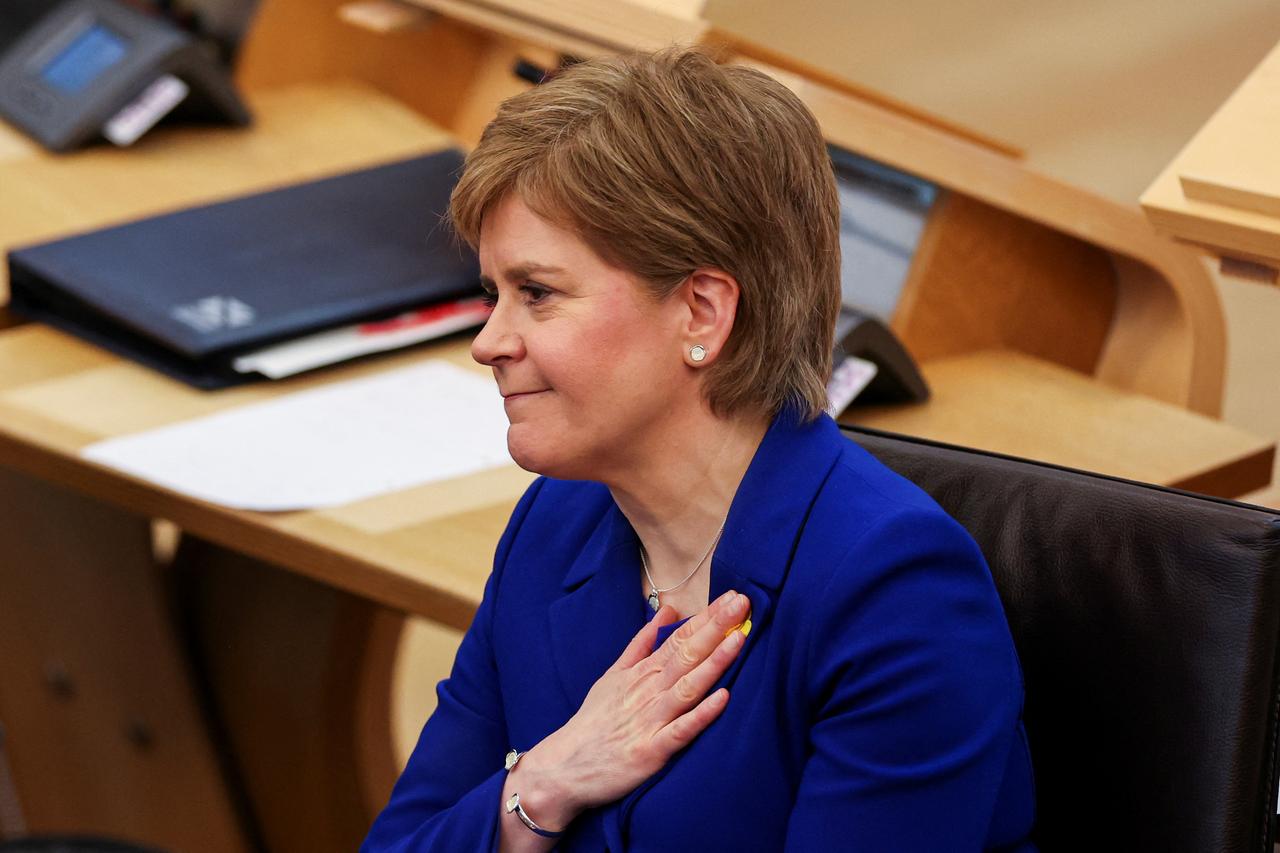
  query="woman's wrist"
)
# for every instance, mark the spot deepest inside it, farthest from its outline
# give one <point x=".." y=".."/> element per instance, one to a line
<point x="543" y="792"/>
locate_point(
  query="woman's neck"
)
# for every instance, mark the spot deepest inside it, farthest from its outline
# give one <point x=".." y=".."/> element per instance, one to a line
<point x="677" y="501"/>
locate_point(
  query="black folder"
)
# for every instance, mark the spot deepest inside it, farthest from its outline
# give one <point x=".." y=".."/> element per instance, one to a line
<point x="186" y="292"/>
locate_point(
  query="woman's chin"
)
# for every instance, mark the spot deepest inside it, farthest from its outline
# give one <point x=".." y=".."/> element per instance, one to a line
<point x="531" y="455"/>
<point x="556" y="462"/>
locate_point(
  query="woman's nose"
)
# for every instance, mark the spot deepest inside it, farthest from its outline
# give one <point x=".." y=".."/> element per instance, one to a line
<point x="497" y="341"/>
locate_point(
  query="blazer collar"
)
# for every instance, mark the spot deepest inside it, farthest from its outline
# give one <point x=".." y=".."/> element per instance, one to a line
<point x="602" y="606"/>
<point x="765" y="516"/>
<point x="773" y="500"/>
<point x="612" y="534"/>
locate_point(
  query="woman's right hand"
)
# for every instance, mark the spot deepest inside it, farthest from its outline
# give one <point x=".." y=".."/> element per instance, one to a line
<point x="645" y="708"/>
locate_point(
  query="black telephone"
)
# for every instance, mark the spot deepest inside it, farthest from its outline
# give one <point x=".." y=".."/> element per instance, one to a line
<point x="93" y="68"/>
<point x="871" y="365"/>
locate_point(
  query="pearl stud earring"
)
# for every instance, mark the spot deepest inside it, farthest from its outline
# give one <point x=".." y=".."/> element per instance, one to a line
<point x="697" y="352"/>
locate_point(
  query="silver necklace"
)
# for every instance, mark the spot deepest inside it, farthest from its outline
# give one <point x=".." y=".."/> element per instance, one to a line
<point x="654" y="601"/>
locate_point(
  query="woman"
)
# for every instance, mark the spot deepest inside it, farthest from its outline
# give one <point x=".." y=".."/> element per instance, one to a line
<point x="659" y="235"/>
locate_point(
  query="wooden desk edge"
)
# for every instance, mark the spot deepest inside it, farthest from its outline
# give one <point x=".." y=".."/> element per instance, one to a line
<point x="1249" y="473"/>
<point x="239" y="531"/>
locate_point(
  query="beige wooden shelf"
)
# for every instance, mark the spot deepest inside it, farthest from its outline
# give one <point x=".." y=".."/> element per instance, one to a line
<point x="1011" y="403"/>
<point x="1223" y="189"/>
<point x="581" y="28"/>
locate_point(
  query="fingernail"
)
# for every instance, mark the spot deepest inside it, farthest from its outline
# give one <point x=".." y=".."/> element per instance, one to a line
<point x="741" y="600"/>
<point x="727" y="597"/>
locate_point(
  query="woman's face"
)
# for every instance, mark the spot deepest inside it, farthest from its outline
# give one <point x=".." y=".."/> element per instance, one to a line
<point x="590" y="366"/>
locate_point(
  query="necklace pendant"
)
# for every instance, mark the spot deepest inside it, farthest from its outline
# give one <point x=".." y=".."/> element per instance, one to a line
<point x="654" y="603"/>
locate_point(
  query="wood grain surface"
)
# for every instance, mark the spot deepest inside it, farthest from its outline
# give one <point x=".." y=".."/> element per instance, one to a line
<point x="1009" y="402"/>
<point x="1223" y="188"/>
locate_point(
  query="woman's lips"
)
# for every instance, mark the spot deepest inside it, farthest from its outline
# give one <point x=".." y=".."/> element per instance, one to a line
<point x="520" y="395"/>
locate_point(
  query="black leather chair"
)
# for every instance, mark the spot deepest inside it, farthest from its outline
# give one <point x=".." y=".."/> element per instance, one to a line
<point x="1148" y="622"/>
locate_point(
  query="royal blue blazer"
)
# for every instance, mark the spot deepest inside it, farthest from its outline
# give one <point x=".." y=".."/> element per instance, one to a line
<point x="876" y="704"/>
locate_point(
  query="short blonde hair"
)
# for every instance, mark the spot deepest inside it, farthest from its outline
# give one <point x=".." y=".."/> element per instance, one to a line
<point x="665" y="163"/>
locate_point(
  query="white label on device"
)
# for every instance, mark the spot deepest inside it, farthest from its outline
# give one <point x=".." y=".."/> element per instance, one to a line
<point x="141" y="114"/>
<point x="847" y="381"/>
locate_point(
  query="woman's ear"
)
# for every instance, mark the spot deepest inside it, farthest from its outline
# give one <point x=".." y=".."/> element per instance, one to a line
<point x="711" y="296"/>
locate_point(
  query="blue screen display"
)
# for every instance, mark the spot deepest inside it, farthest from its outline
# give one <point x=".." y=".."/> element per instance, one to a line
<point x="79" y="64"/>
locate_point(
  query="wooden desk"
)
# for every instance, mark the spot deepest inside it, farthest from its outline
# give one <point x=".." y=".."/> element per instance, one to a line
<point x="107" y="721"/>
<point x="424" y="550"/>
<point x="295" y="618"/>
<point x="1040" y="410"/>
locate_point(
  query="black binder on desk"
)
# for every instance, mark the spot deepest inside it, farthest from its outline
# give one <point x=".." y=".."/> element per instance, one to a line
<point x="187" y="292"/>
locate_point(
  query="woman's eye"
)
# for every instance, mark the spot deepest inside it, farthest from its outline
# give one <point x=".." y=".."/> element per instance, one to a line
<point x="490" y="298"/>
<point x="534" y="293"/>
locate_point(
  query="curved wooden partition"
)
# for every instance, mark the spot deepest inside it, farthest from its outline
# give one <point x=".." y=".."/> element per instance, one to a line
<point x="1041" y="256"/>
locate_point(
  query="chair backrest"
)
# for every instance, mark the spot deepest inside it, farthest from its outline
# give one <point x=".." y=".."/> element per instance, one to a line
<point x="1147" y="621"/>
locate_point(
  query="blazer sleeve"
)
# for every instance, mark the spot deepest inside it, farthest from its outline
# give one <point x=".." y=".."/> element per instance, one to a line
<point x="915" y="695"/>
<point x="449" y="795"/>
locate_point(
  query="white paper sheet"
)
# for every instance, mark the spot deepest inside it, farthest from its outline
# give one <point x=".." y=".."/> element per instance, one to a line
<point x="330" y="347"/>
<point x="327" y="446"/>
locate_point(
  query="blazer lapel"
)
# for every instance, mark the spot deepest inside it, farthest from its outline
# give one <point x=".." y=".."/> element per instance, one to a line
<point x="768" y="515"/>
<point x="601" y="610"/>
<point x="761" y="533"/>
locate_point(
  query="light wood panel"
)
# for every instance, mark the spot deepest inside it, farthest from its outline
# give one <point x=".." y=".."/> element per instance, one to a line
<point x="384" y="16"/>
<point x="1100" y="95"/>
<point x="1269" y="497"/>
<point x="727" y="44"/>
<point x="14" y="145"/>
<point x="446" y="69"/>
<point x="1252" y="401"/>
<point x="1223" y="188"/>
<point x="103" y="728"/>
<point x="306" y="41"/>
<point x="299" y="676"/>
<point x="984" y="278"/>
<point x="1171" y="343"/>
<point x="581" y="28"/>
<point x="1008" y="402"/>
<point x="424" y="657"/>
